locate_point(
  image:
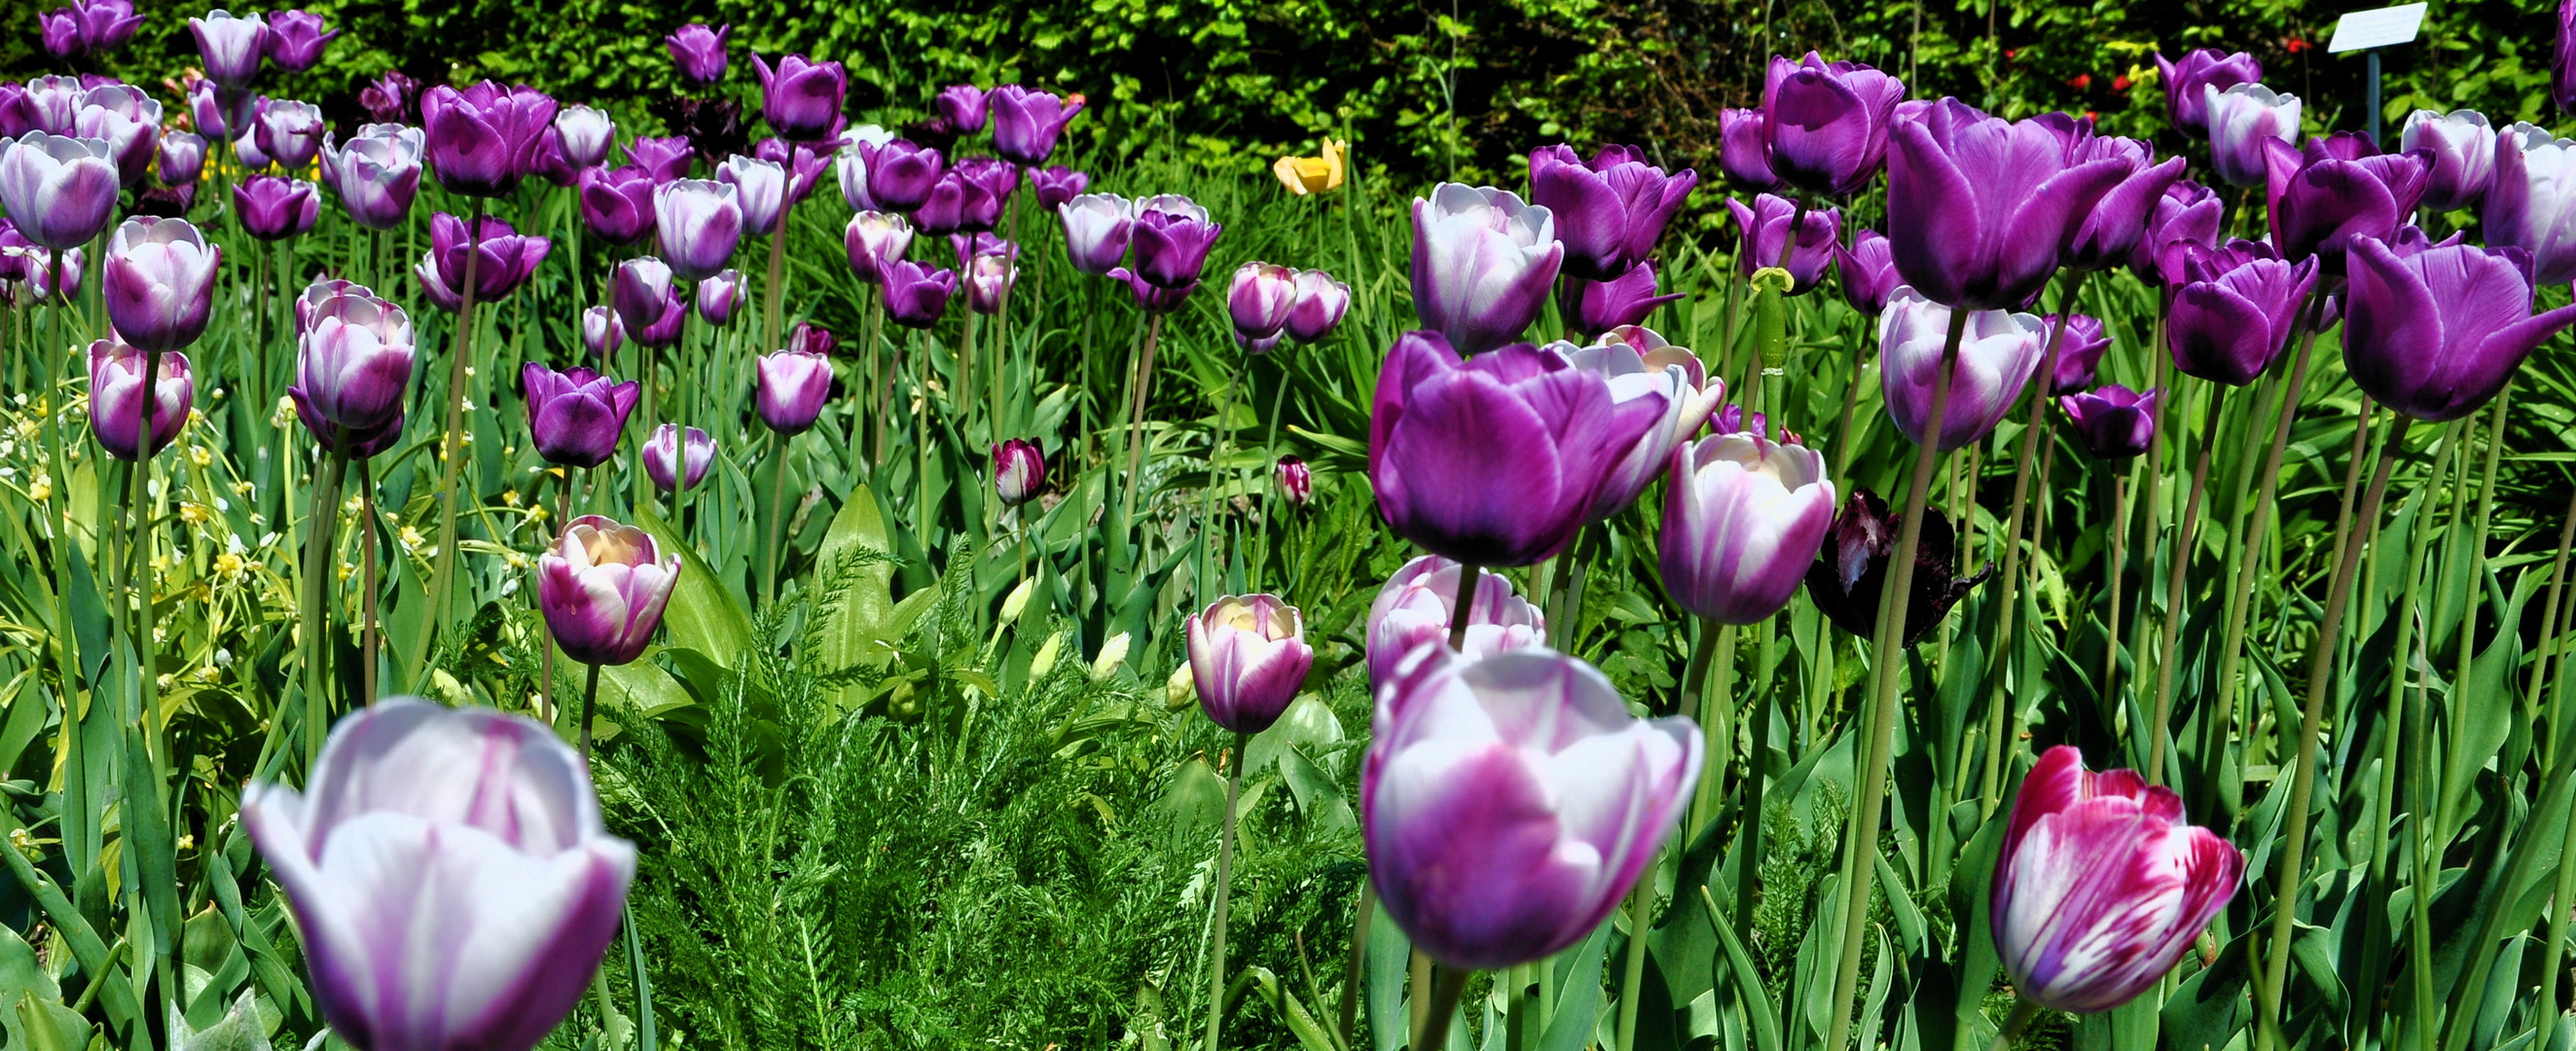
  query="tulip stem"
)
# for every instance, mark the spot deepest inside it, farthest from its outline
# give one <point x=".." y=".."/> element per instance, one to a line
<point x="2112" y="571"/>
<point x="1224" y="890"/>
<point x="2448" y="817"/>
<point x="1276" y="505"/>
<point x="1352" y="969"/>
<point x="2178" y="567"/>
<point x="1459" y="617"/>
<point x="1708" y="682"/>
<point x="770" y="321"/>
<point x="2549" y="637"/>
<point x="1143" y="384"/>
<point x="551" y="707"/>
<point x="2025" y="1010"/>
<point x="1888" y="649"/>
<point x="1448" y="984"/>
<point x="769" y="553"/>
<point x="2320" y="668"/>
<point x="589" y="699"/>
<point x="370" y="633"/>
<point x="139" y="578"/>
<point x="2241" y="591"/>
<point x="1216" y="456"/>
<point x="878" y="379"/>
<point x="2033" y="429"/>
<point x="1641" y="915"/>
<point x="442" y="574"/>
<point x="315" y="611"/>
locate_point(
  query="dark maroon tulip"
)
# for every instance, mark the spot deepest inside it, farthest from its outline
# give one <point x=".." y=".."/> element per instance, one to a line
<point x="1599" y="306"/>
<point x="666" y="159"/>
<point x="1978" y="207"/>
<point x="2433" y="330"/>
<point x="1765" y="231"/>
<point x="484" y="139"/>
<point x="1744" y="152"/>
<point x="575" y="416"/>
<point x="801" y="99"/>
<point x="1868" y="272"/>
<point x="901" y="174"/>
<point x="168" y="202"/>
<point x="2113" y="423"/>
<point x="698" y="52"/>
<point x="295" y="39"/>
<point x="805" y="165"/>
<point x="1057" y="185"/>
<point x="712" y="128"/>
<point x="1609" y="211"/>
<point x="507" y="259"/>
<point x="962" y="106"/>
<point x="2340" y="187"/>
<point x="1494" y="460"/>
<point x="915" y="295"/>
<point x="2201" y="68"/>
<point x="1848" y="577"/>
<point x="1825" y="125"/>
<point x="2234" y="310"/>
<point x="2109" y="233"/>
<point x="1026" y="123"/>
<point x="617" y="203"/>
<point x="1171" y="240"/>
<point x="2188" y="214"/>
<point x="2079" y="351"/>
<point x="389" y="100"/>
<point x="273" y="207"/>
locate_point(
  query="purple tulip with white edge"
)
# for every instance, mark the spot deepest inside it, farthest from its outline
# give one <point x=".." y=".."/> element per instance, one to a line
<point x="354" y="361"/>
<point x="453" y="884"/>
<point x="1997" y="353"/>
<point x="1248" y="657"/>
<point x="116" y="398"/>
<point x="1743" y="519"/>
<point x="2113" y="423"/>
<point x="505" y="259"/>
<point x="1826" y="125"/>
<point x="1097" y="230"/>
<point x="484" y="139"/>
<point x="59" y="191"/>
<point x="308" y="304"/>
<point x="637" y="290"/>
<point x="230" y="48"/>
<point x="1019" y="471"/>
<point x="2186" y="100"/>
<point x="602" y="332"/>
<point x="1685" y="397"/>
<point x="1170" y="239"/>
<point x="377" y="175"/>
<point x="1764" y="230"/>
<point x="1482" y="264"/>
<point x="130" y="124"/>
<point x="584" y="135"/>
<point x="1978" y="208"/>
<point x="1510" y="802"/>
<point x="1258" y="299"/>
<point x="662" y="454"/>
<point x="759" y="186"/>
<point x="602" y="588"/>
<point x="575" y="416"/>
<point x="697" y="224"/>
<point x="2463" y="146"/>
<point x="987" y="277"/>
<point x="1321" y="302"/>
<point x="792" y="389"/>
<point x="2532" y="203"/>
<point x="2241" y="119"/>
<point x="2433" y="330"/>
<point x="663" y="331"/>
<point x="1609" y="211"/>
<point x="799" y="97"/>
<point x="273" y="207"/>
<point x="1027" y="123"/>
<point x="720" y="296"/>
<point x="181" y="158"/>
<point x="1413" y="609"/>
<point x="1296" y="481"/>
<point x="874" y="241"/>
<point x="159" y="282"/>
<point x="2100" y="886"/>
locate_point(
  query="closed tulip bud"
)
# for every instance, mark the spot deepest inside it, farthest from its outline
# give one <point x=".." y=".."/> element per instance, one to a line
<point x="1765" y="232"/>
<point x="274" y="207"/>
<point x="1609" y="212"/>
<point x="1599" y="306"/>
<point x="719" y="296"/>
<point x="1312" y="175"/>
<point x="793" y="387"/>
<point x="116" y="398"/>
<point x="1744" y="152"/>
<point x="2463" y="147"/>
<point x="2189" y="214"/>
<point x="2532" y="205"/>
<point x="1482" y="264"/>
<point x="801" y="98"/>
<point x="2185" y="83"/>
<point x="391" y="98"/>
<point x="1997" y="353"/>
<point x="1321" y="302"/>
<point x="2233" y="314"/>
<point x="506" y="259"/>
<point x="601" y="332"/>
<point x="1510" y="802"/>
<point x="915" y="295"/>
<point x="1296" y="481"/>
<point x="354" y="361"/>
<point x="2433" y="330"/>
<point x="2079" y="351"/>
<point x="801" y="161"/>
<point x="661" y="456"/>
<point x="988" y="277"/>
<point x="484" y="139"/>
<point x="455" y="854"/>
<point x="584" y="135"/>
<point x="1743" y="519"/>
<point x="812" y="339"/>
<point x="160" y="282"/>
<point x="2108" y="234"/>
<point x="1867" y="270"/>
<point x="962" y="106"/>
<point x="2100" y="887"/>
<point x="874" y="241"/>
<point x="698" y="52"/>
<point x="1171" y="240"/>
<point x="637" y="290"/>
<point x="1097" y="230"/>
<point x="1026" y="123"/>
<point x="1496" y="460"/>
<point x="1850" y="573"/>
<point x="377" y="175"/>
<point x="665" y="159"/>
<point x="182" y="158"/>
<point x="2336" y="189"/>
<point x="1248" y="656"/>
<point x="697" y="223"/>
<point x="60" y="191"/>
<point x="1259" y="298"/>
<point x="901" y="174"/>
<point x="230" y="47"/>
<point x="130" y="124"/>
<point x="603" y="587"/>
<point x="59" y="31"/>
<point x="2241" y="119"/>
<point x="1019" y="471"/>
<point x="1826" y="124"/>
<point x="2113" y="423"/>
<point x="1978" y="208"/>
<point x="295" y="40"/>
<point x="105" y="25"/>
<point x="616" y="203"/>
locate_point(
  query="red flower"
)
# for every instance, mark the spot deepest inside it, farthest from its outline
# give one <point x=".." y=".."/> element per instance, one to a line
<point x="2120" y="83"/>
<point x="2296" y="45"/>
<point x="2080" y="81"/>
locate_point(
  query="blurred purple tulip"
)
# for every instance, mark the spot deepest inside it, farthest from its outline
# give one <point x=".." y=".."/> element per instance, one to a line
<point x="812" y="339"/>
<point x="793" y="388"/>
<point x="1868" y="271"/>
<point x="159" y="282"/>
<point x="575" y="416"/>
<point x="2532" y="204"/>
<point x="93" y="27"/>
<point x="273" y="207"/>
<point x="505" y="259"/>
<point x="1482" y="264"/>
<point x="2188" y="214"/>
<point x="2186" y="100"/>
<point x="1297" y="483"/>
<point x="181" y="158"/>
<point x="2109" y="233"/>
<point x="2241" y="119"/>
<point x="2433" y="330"/>
<point x="720" y="296"/>
<point x="987" y="277"/>
<point x="484" y="139"/>
<point x="637" y="289"/>
<point x="661" y="456"/>
<point x="1826" y="125"/>
<point x="59" y="191"/>
<point x="616" y="203"/>
<point x="601" y="332"/>
<point x="1997" y="354"/>
<point x="2562" y="59"/>
<point x="1321" y="302"/>
<point x="801" y="161"/>
<point x="2079" y="351"/>
<point x="1764" y="230"/>
<point x="1150" y="297"/>
<point x="116" y="397"/>
<point x="944" y="211"/>
<point x="801" y="99"/>
<point x="320" y="291"/>
<point x="1610" y="211"/>
<point x="697" y="223"/>
<point x="584" y="135"/>
<point x="2463" y="146"/>
<point x="295" y="40"/>
<point x="2235" y="310"/>
<point x="1978" y="208"/>
<point x="1026" y="123"/>
<point x="53" y="103"/>
<point x="665" y="159"/>
<point x="230" y="47"/>
<point x="1019" y="471"/>
<point x="668" y="317"/>
<point x="391" y="99"/>
<point x="1744" y="151"/>
<point x="900" y="175"/>
<point x="377" y="174"/>
<point x="915" y="295"/>
<point x="1056" y="185"/>
<point x="1097" y="230"/>
<point x="1599" y="306"/>
<point x="2112" y="423"/>
<point x="354" y="362"/>
<point x="59" y="31"/>
<point x="1413" y="609"/>
<point x="1248" y="657"/>
<point x="206" y="109"/>
<point x="1743" y="519"/>
<point x="962" y="106"/>
<point x="698" y="52"/>
<point x="603" y="588"/>
<point x="874" y="241"/>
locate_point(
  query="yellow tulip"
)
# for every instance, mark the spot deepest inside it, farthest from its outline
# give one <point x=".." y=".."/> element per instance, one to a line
<point x="1305" y="175"/>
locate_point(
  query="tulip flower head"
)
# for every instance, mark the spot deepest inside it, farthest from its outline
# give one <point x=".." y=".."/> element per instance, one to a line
<point x="962" y="106"/>
<point x="2532" y="204"/>
<point x="90" y="27"/>
<point x="760" y="187"/>
<point x="616" y="203"/>
<point x="665" y="159"/>
<point x="720" y="296"/>
<point x="2114" y="423"/>
<point x="1978" y="208"/>
<point x="1599" y="306"/>
<point x="503" y="259"/>
<point x="1296" y="481"/>
<point x="1312" y="175"/>
<point x="1171" y="239"/>
<point x="2109" y="233"/>
<point x="53" y="104"/>
<point x="181" y="158"/>
<point x="1610" y="211"/>
<point x="1482" y="264"/>
<point x="2338" y="188"/>
<point x="812" y="339"/>
<point x="575" y="416"/>
<point x="2234" y="313"/>
<point x="273" y="207"/>
<point x="1743" y="519"/>
<point x="793" y="387"/>
<point x="59" y="191"/>
<point x="391" y="99"/>
<point x="1509" y="802"/>
<point x="1259" y="299"/>
<point x="1019" y="471"/>
<point x="875" y="240"/>
<point x="1413" y="609"/>
<point x="2464" y="151"/>
<point x="2079" y="350"/>
<point x="160" y="282"/>
<point x="602" y="332"/>
<point x="1744" y="152"/>
<point x="2433" y="330"/>
<point x="662" y="455"/>
<point x="230" y="48"/>
<point x="354" y="362"/>
<point x="988" y="274"/>
<point x="1996" y="356"/>
<point x="583" y="135"/>
<point x="1027" y="123"/>
<point x="246" y="149"/>
<point x="1669" y="375"/>
<point x="2099" y="886"/>
<point x="602" y="588"/>
<point x="2186" y="83"/>
<point x="295" y="40"/>
<point x="2188" y="214"/>
<point x="900" y="174"/>
<point x="637" y="289"/>
<point x="1765" y="234"/>
<point x="377" y="175"/>
<point x="1097" y="230"/>
<point x="121" y="116"/>
<point x="697" y="224"/>
<point x="915" y="295"/>
<point x="698" y="52"/>
<point x="1825" y="125"/>
<point x="1867" y="270"/>
<point x="800" y="98"/>
<point x="1056" y="185"/>
<point x="1150" y="297"/>
<point x="1321" y="302"/>
<point x="452" y="882"/>
<point x="484" y="139"/>
<point x="1850" y="572"/>
<point x="1248" y="656"/>
<point x="116" y="398"/>
<point x="2241" y="119"/>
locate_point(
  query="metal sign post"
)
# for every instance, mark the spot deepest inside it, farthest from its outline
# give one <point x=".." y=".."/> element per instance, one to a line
<point x="2369" y="31"/>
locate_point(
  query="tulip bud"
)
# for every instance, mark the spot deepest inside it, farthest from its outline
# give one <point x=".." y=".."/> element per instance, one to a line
<point x="182" y="158"/>
<point x="1826" y="130"/>
<point x="1026" y="123"/>
<point x="1097" y="230"/>
<point x="1019" y="471"/>
<point x="377" y="175"/>
<point x="1017" y="602"/>
<point x="290" y="132"/>
<point x="793" y="388"/>
<point x="2202" y="68"/>
<point x="801" y="98"/>
<point x="1259" y="299"/>
<point x="915" y="295"/>
<point x="719" y="296"/>
<point x="1609" y="212"/>
<point x="601" y="332"/>
<point x="661" y="453"/>
<point x="637" y="290"/>
<point x="274" y="207"/>
<point x="2234" y="313"/>
<point x="901" y="174"/>
<point x="2241" y="117"/>
<point x="1743" y="519"/>
<point x="2113" y="423"/>
<point x="1413" y="609"/>
<point x="1171" y="240"/>
<point x="583" y="135"/>
<point x="1482" y="264"/>
<point x="697" y="224"/>
<point x="1296" y="481"/>
<point x="295" y="40"/>
<point x="1848" y="578"/>
<point x="875" y="240"/>
<point x="575" y="416"/>
<point x="59" y="191"/>
<point x="761" y="188"/>
<point x="1510" y="802"/>
<point x="2463" y="147"/>
<point x="812" y="339"/>
<point x="2099" y="885"/>
<point x="354" y="362"/>
<point x="1321" y="302"/>
<point x="962" y="106"/>
<point x="453" y="853"/>
<point x="2532" y="204"/>
<point x="484" y="139"/>
<point x="1765" y="234"/>
<point x="1996" y="355"/>
<point x="116" y="398"/>
<point x="698" y="52"/>
<point x="60" y="32"/>
<point x="160" y="283"/>
<point x="2433" y="330"/>
<point x="665" y="159"/>
<point x="1867" y="271"/>
<point x="2079" y="350"/>
<point x="1113" y="652"/>
<point x="1248" y="656"/>
<point x="230" y="47"/>
<point x="616" y="204"/>
<point x="602" y="589"/>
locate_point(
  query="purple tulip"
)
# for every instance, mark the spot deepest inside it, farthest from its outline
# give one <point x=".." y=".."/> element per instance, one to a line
<point x="2234" y="312"/>
<point x="850" y="169"/>
<point x="575" y="416"/>
<point x="1019" y="471"/>
<point x="60" y="191"/>
<point x="1057" y="185"/>
<point x="1744" y="152"/>
<point x="992" y="182"/>
<point x="1097" y="230"/>
<point x="803" y="164"/>
<point x="720" y="296"/>
<point x="1765" y="232"/>
<point x="59" y="31"/>
<point x="320" y="291"/>
<point x="1674" y="382"/>
<point x="105" y="25"/>
<point x="2109" y="233"/>
<point x="801" y="99"/>
<point x="915" y="295"/>
<point x="1297" y="483"/>
<point x="1482" y="264"/>
<point x="354" y="362"/>
<point x="1259" y="299"/>
<point x="17" y="114"/>
<point x="2113" y="423"/>
<point x="295" y="40"/>
<point x="793" y="387"/>
<point x="1509" y="802"/>
<point x="159" y="283"/>
<point x="1321" y="302"/>
<point x="1997" y="353"/>
<point x="484" y="139"/>
<point x="2532" y="204"/>
<point x="53" y="104"/>
<point x="761" y="189"/>
<point x="962" y="106"/>
<point x="181" y="158"/>
<point x="2337" y="189"/>
<point x="2463" y="147"/>
<point x="1826" y="126"/>
<point x="1248" y="657"/>
<point x="2100" y="887"/>
<point x="1496" y="460"/>
<point x="602" y="589"/>
<point x="661" y="453"/>
<point x="697" y="223"/>
<point x="2562" y="59"/>
<point x="2241" y="119"/>
<point x="1743" y="519"/>
<point x="874" y="241"/>
<point x="900" y="175"/>
<point x="230" y="47"/>
<point x="1171" y="240"/>
<point x="666" y="159"/>
<point x="1848" y="578"/>
<point x="2186" y="98"/>
<point x="506" y="259"/>
<point x="377" y="174"/>
<point x="1610" y="212"/>
<point x="988" y="276"/>
<point x="116" y="397"/>
<point x="668" y="317"/>
<point x="601" y="332"/>
<point x="616" y="203"/>
<point x="699" y="52"/>
<point x="1150" y="297"/>
<point x="2433" y="330"/>
<point x="1599" y="306"/>
<point x="812" y="339"/>
<point x="583" y="135"/>
<point x="1978" y="208"/>
<point x="274" y="207"/>
<point x="1868" y="271"/>
<point x="945" y="210"/>
<point x="206" y="109"/>
<point x="2079" y="351"/>
<point x="637" y="290"/>
<point x="453" y="885"/>
<point x="1413" y="609"/>
<point x="2188" y="214"/>
<point x="391" y="99"/>
<point x="1026" y="123"/>
<point x="130" y="124"/>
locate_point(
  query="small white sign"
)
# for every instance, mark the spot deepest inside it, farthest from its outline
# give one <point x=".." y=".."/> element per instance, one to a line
<point x="2380" y="28"/>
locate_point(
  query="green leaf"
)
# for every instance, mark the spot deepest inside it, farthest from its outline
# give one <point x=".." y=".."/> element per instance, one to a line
<point x="702" y="615"/>
<point x="1748" y="982"/>
<point x="1578" y="1007"/>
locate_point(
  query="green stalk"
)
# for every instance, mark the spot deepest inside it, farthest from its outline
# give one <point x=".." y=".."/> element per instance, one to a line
<point x="2549" y="633"/>
<point x="769" y="554"/>
<point x="1224" y="891"/>
<point x="776" y="287"/>
<point x="2032" y="430"/>
<point x="1447" y="985"/>
<point x="2177" y="570"/>
<point x="1756" y="775"/>
<point x="589" y="703"/>
<point x="315" y="610"/>
<point x="1641" y="914"/>
<point x="1358" y="961"/>
<point x="2023" y="1012"/>
<point x="1216" y="455"/>
<point x="2472" y="590"/>
<point x="1277" y="505"/>
<point x="2420" y="807"/>
<point x="1862" y="849"/>
<point x="1711" y="682"/>
<point x="442" y="573"/>
<point x="2239" y="605"/>
<point x="1143" y="385"/>
<point x="2114" y="568"/>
